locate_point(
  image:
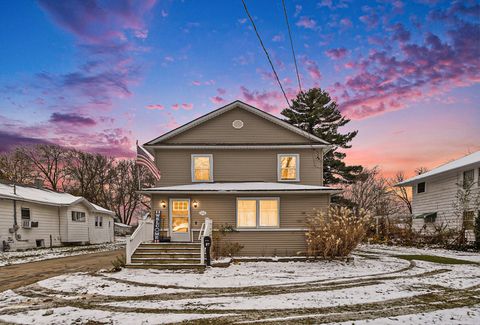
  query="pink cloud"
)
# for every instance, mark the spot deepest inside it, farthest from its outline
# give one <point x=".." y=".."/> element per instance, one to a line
<point x="270" y="101"/>
<point x="155" y="107"/>
<point x="307" y="23"/>
<point x="187" y="107"/>
<point x="312" y="69"/>
<point x="278" y="38"/>
<point x="72" y="119"/>
<point x="217" y="100"/>
<point x="196" y="83"/>
<point x="336" y="54"/>
<point x="346" y="23"/>
<point x="176" y="107"/>
<point x="221" y="91"/>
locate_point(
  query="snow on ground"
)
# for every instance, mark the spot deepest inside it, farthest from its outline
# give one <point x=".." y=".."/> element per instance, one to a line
<point x="402" y="250"/>
<point x="81" y="283"/>
<point x="464" y="316"/>
<point x="246" y="274"/>
<point x="39" y="254"/>
<point x="69" y="315"/>
<point x="9" y="298"/>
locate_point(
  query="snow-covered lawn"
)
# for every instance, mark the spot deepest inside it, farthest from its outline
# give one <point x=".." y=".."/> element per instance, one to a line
<point x="40" y="254"/>
<point x="377" y="288"/>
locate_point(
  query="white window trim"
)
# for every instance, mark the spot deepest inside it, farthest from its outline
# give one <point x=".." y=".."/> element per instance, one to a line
<point x="192" y="167"/>
<point x="30" y="213"/>
<point x="279" y="167"/>
<point x="71" y="216"/>
<point x="416" y="188"/>
<point x="97" y="222"/>
<point x="257" y="199"/>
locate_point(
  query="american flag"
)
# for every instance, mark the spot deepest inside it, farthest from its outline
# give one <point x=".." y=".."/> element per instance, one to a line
<point x="143" y="159"/>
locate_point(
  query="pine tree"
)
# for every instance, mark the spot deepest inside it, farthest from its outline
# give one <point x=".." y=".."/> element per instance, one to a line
<point x="315" y="112"/>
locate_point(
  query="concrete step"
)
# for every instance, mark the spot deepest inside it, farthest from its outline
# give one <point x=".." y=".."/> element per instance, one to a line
<point x="170" y="245"/>
<point x="167" y="250"/>
<point x="199" y="267"/>
<point x="166" y="254"/>
<point x="156" y="260"/>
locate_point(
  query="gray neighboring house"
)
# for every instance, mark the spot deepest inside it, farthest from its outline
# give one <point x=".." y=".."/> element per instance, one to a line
<point x="33" y="217"/>
<point x="435" y="193"/>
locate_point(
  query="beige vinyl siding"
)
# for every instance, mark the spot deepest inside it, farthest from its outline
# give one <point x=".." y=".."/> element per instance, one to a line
<point x="102" y="234"/>
<point x="439" y="197"/>
<point x="221" y="208"/>
<point x="237" y="165"/>
<point x="219" y="130"/>
<point x="48" y="224"/>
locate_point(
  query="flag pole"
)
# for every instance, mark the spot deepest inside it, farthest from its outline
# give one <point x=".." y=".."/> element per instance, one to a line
<point x="138" y="170"/>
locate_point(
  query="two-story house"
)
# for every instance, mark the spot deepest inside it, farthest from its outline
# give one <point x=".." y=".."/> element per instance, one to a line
<point x="242" y="168"/>
<point x="447" y="196"/>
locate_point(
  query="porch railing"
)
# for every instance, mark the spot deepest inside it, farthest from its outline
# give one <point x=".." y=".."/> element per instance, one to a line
<point x="144" y="232"/>
<point x="205" y="231"/>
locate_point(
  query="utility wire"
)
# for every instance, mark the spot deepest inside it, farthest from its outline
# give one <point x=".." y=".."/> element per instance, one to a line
<point x="266" y="52"/>
<point x="291" y="45"/>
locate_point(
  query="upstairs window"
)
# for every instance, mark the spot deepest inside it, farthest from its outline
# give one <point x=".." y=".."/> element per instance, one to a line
<point x="78" y="216"/>
<point x="25" y="213"/>
<point x="421" y="187"/>
<point x="468" y="178"/>
<point x="288" y="167"/>
<point x="469" y="220"/>
<point x="202" y="168"/>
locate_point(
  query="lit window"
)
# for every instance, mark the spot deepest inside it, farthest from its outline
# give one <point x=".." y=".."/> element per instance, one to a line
<point x="202" y="168"/>
<point x="288" y="167"/>
<point x="421" y="187"/>
<point x="257" y="213"/>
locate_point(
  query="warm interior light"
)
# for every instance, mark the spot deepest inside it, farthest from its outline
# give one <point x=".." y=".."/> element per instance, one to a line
<point x="195" y="204"/>
<point x="163" y="204"/>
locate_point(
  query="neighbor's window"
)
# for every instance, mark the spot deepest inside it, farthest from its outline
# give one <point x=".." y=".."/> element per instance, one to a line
<point x="257" y="213"/>
<point x="469" y="220"/>
<point x="202" y="168"/>
<point x="25" y="213"/>
<point x="468" y="177"/>
<point x="98" y="221"/>
<point x="421" y="187"/>
<point x="431" y="218"/>
<point x="78" y="216"/>
<point x="288" y="167"/>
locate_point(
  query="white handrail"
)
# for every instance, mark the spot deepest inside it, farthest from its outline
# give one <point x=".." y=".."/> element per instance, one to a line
<point x="205" y="231"/>
<point x="144" y="232"/>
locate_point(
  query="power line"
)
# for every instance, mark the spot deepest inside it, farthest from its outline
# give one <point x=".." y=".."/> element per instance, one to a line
<point x="291" y="45"/>
<point x="266" y="52"/>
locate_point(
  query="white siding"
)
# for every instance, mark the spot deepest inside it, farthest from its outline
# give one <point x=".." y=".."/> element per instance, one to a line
<point x="77" y="232"/>
<point x="439" y="197"/>
<point x="102" y="234"/>
<point x="48" y="225"/>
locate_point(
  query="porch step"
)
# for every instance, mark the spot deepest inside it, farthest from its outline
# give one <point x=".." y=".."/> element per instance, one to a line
<point x="199" y="267"/>
<point x="167" y="256"/>
<point x="171" y="254"/>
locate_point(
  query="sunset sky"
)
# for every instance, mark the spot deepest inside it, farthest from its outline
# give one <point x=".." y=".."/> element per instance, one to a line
<point x="97" y="75"/>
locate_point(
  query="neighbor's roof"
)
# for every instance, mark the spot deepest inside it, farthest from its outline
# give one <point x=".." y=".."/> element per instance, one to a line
<point x="466" y="161"/>
<point x="45" y="196"/>
<point x="122" y="225"/>
<point x="240" y="187"/>
<point x="227" y="108"/>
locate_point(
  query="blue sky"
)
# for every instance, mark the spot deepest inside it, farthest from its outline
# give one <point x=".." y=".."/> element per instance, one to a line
<point x="97" y="75"/>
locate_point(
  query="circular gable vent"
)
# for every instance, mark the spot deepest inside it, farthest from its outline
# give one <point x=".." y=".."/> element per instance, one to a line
<point x="237" y="124"/>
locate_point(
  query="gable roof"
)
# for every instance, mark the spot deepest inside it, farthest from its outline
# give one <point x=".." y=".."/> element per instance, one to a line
<point x="468" y="160"/>
<point x="227" y="108"/>
<point x="45" y="196"/>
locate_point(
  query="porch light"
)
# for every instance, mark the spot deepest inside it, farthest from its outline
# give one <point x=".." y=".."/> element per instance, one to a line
<point x="195" y="204"/>
<point x="163" y="204"/>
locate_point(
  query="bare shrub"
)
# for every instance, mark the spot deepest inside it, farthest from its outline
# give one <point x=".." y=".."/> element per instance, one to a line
<point x="336" y="232"/>
<point x="222" y="247"/>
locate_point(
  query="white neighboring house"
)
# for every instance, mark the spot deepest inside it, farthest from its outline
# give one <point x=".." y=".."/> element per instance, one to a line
<point x="435" y="193"/>
<point x="36" y="217"/>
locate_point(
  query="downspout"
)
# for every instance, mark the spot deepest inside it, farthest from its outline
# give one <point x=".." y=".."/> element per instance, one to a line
<point x="15" y="223"/>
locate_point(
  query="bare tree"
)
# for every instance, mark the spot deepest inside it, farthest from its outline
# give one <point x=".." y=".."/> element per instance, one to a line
<point x="421" y="170"/>
<point x="49" y="161"/>
<point x="15" y="168"/>
<point x="465" y="205"/>
<point x="121" y="194"/>
<point x="88" y="175"/>
<point x="403" y="193"/>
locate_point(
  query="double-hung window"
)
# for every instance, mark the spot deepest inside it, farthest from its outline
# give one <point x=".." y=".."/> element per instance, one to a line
<point x="288" y="167"/>
<point x="25" y="213"/>
<point x="202" y="168"/>
<point x="258" y="212"/>
<point x="468" y="178"/>
<point x="421" y="188"/>
<point x="98" y="221"/>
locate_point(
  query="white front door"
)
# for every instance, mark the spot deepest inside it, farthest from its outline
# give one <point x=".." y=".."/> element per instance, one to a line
<point x="180" y="220"/>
